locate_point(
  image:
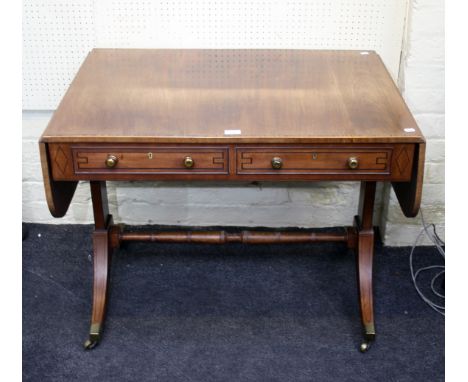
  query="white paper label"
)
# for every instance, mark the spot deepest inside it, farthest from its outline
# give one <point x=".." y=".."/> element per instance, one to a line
<point x="232" y="132"/>
<point x="409" y="130"/>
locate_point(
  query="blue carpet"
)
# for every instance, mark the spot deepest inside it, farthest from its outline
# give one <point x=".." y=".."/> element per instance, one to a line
<point x="222" y="313"/>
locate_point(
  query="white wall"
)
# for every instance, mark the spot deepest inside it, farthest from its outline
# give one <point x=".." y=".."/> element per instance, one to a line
<point x="315" y="205"/>
<point x="422" y="83"/>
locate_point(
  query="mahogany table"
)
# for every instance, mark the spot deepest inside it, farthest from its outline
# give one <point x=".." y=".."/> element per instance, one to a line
<point x="232" y="115"/>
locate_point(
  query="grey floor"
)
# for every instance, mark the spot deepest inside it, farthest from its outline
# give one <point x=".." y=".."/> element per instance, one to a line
<point x="222" y="313"/>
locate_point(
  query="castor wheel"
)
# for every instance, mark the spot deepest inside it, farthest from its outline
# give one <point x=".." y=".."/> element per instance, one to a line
<point x="94" y="337"/>
<point x="364" y="346"/>
<point x="90" y="344"/>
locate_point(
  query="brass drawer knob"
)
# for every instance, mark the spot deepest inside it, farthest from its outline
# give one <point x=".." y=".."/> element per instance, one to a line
<point x="189" y="162"/>
<point x="276" y="163"/>
<point x="111" y="161"/>
<point x="353" y="163"/>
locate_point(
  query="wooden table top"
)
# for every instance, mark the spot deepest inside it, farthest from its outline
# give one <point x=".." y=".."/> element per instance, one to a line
<point x="194" y="96"/>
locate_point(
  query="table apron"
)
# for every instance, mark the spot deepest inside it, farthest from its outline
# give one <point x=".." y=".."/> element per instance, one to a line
<point x="149" y="162"/>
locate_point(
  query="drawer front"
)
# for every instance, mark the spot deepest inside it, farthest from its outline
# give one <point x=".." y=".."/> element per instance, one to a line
<point x="150" y="160"/>
<point x="313" y="160"/>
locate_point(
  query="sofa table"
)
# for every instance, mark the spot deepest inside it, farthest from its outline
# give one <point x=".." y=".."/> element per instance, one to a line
<point x="223" y="115"/>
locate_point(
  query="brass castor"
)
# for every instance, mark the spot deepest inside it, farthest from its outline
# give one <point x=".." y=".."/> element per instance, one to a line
<point x="90" y="344"/>
<point x="369" y="337"/>
<point x="94" y="337"/>
<point x="364" y="346"/>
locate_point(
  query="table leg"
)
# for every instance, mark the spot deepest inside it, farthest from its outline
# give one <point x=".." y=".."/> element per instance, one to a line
<point x="101" y="260"/>
<point x="365" y="249"/>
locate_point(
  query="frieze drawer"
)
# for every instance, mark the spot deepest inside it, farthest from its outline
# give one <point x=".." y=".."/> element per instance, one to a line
<point x="323" y="160"/>
<point x="150" y="159"/>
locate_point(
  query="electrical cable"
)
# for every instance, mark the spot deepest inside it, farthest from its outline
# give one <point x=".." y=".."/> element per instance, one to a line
<point x="439" y="244"/>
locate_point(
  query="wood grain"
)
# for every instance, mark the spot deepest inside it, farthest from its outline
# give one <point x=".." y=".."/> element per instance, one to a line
<point x="223" y="237"/>
<point x="151" y="159"/>
<point x="365" y="255"/>
<point x="304" y="160"/>
<point x="386" y="162"/>
<point x="287" y="96"/>
<point x="409" y="194"/>
<point x="58" y="194"/>
<point x="149" y="109"/>
<point x="102" y="252"/>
